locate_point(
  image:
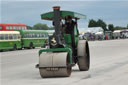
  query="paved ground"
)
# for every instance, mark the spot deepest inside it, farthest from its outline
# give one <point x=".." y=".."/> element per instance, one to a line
<point x="109" y="66"/>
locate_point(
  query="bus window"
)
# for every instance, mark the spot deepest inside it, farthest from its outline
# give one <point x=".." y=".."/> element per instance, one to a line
<point x="33" y="35"/>
<point x="10" y="27"/>
<point x="14" y="36"/>
<point x="0" y="27"/>
<point x="38" y="35"/>
<point x="22" y="27"/>
<point x="46" y="35"/>
<point x="10" y="37"/>
<point x="42" y="35"/>
<point x="19" y="36"/>
<point x="29" y="35"/>
<point x="7" y="27"/>
<point x="26" y="35"/>
<point x="1" y="37"/>
<point x="25" y="28"/>
<point x="14" y="27"/>
<point x="6" y="36"/>
<point x="18" y="28"/>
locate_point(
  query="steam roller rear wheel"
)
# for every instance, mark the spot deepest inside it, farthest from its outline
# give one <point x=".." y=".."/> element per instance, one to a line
<point x="83" y="55"/>
<point x="54" y="65"/>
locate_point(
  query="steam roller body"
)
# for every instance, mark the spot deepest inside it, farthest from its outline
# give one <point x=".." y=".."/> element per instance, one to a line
<point x="65" y="50"/>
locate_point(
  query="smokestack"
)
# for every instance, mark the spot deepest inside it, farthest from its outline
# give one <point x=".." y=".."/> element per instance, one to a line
<point x="57" y="21"/>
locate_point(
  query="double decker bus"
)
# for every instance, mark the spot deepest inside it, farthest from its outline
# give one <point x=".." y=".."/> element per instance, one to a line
<point x="12" y="27"/>
<point x="33" y="38"/>
<point x="10" y="40"/>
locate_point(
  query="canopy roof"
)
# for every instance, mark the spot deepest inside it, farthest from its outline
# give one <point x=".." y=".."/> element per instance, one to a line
<point x="63" y="14"/>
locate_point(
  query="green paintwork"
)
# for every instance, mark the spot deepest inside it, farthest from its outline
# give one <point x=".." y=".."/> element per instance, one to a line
<point x="76" y="34"/>
<point x="39" y="42"/>
<point x="9" y="44"/>
<point x="63" y="14"/>
<point x="59" y="50"/>
<point x="22" y="32"/>
<point x="36" y="41"/>
<point x="67" y="38"/>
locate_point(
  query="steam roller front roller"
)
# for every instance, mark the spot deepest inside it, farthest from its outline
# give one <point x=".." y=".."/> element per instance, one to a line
<point x="53" y="64"/>
<point x="83" y="55"/>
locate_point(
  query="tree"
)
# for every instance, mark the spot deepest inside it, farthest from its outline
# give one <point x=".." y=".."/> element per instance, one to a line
<point x="127" y="26"/>
<point x="111" y="27"/>
<point x="40" y="26"/>
<point x="92" y="23"/>
<point x="51" y="28"/>
<point x="29" y="27"/>
<point x="119" y="28"/>
<point x="101" y="23"/>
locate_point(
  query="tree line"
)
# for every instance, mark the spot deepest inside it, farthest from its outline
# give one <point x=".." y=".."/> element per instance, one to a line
<point x="40" y="26"/>
<point x="92" y="23"/>
<point x="103" y="25"/>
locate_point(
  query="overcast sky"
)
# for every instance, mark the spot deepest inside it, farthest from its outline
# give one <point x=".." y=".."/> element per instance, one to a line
<point x="28" y="11"/>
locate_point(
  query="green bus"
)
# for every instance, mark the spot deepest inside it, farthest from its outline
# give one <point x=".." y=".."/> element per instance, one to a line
<point x="23" y="39"/>
<point x="10" y="40"/>
<point x="33" y="38"/>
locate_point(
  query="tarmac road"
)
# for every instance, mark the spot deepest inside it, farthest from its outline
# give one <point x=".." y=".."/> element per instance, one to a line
<point x="109" y="66"/>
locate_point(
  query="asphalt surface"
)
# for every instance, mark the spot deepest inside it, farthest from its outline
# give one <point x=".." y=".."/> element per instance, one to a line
<point x="109" y="66"/>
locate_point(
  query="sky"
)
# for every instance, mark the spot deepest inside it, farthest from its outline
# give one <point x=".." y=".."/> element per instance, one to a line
<point x="29" y="11"/>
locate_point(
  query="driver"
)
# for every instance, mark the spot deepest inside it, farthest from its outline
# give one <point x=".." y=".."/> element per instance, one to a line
<point x="69" y="24"/>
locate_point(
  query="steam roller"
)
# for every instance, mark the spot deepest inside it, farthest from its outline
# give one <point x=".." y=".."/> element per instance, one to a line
<point x="64" y="47"/>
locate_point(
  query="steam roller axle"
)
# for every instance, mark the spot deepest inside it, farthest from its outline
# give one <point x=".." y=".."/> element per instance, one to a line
<point x="53" y="64"/>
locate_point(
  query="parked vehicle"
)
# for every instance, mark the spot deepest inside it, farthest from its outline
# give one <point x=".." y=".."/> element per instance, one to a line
<point x="33" y="38"/>
<point x="10" y="40"/>
<point x="22" y="39"/>
<point x="12" y="27"/>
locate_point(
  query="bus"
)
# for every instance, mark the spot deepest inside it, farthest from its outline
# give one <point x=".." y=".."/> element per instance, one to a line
<point x="33" y="38"/>
<point x="10" y="40"/>
<point x="23" y="39"/>
<point x="12" y="27"/>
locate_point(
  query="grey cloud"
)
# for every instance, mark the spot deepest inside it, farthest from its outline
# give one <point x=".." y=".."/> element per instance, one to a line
<point x="28" y="12"/>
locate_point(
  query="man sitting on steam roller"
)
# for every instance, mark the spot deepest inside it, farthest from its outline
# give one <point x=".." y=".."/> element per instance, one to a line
<point x="69" y="25"/>
<point x="69" y="29"/>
